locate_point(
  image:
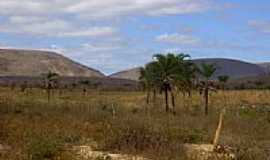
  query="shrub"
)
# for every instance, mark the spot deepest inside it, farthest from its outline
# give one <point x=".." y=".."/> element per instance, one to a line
<point x="42" y="147"/>
<point x="251" y="154"/>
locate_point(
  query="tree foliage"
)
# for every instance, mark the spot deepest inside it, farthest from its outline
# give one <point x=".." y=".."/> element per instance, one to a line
<point x="223" y="80"/>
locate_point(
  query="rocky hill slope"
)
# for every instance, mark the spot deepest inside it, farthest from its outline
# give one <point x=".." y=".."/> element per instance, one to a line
<point x="33" y="63"/>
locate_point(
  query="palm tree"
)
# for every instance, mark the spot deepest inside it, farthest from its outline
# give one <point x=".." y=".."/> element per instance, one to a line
<point x="189" y="75"/>
<point x="145" y="82"/>
<point x="167" y="71"/>
<point x="207" y="71"/>
<point x="223" y="80"/>
<point x="148" y="81"/>
<point x="51" y="80"/>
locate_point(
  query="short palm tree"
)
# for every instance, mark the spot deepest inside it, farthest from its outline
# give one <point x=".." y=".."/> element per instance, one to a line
<point x="207" y="71"/>
<point x="51" y="80"/>
<point x="223" y="80"/>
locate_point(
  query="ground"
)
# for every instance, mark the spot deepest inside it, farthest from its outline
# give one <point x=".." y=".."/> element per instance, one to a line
<point x="31" y="128"/>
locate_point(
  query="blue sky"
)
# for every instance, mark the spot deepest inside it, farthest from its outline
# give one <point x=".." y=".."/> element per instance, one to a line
<point x="113" y="35"/>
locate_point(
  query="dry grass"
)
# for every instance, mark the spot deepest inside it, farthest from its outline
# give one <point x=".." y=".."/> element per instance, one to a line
<point x="36" y="129"/>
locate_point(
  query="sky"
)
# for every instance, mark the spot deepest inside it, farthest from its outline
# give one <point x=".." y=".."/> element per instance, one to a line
<point x="114" y="35"/>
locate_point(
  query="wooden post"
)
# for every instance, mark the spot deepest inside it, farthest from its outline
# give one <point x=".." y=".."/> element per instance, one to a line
<point x="113" y="111"/>
<point x="218" y="130"/>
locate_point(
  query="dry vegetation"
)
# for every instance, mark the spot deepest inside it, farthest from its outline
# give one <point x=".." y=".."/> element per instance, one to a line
<point x="31" y="128"/>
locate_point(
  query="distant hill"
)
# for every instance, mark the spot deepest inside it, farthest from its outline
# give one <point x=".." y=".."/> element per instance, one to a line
<point x="132" y="74"/>
<point x="233" y="68"/>
<point x="33" y="63"/>
<point x="266" y="66"/>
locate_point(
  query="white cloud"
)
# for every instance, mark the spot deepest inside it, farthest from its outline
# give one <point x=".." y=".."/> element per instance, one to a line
<point x="261" y="26"/>
<point x="33" y="7"/>
<point x="108" y="8"/>
<point x="93" y="31"/>
<point x="114" y="8"/>
<point x="101" y="47"/>
<point x="60" y="17"/>
<point x="26" y="19"/>
<point x="177" y="39"/>
<point x="52" y="27"/>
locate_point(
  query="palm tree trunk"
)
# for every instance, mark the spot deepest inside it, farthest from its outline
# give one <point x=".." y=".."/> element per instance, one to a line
<point x="206" y="96"/>
<point x="84" y="92"/>
<point x="173" y="102"/>
<point x="154" y="95"/>
<point x="166" y="99"/>
<point x="148" y="97"/>
<point x="189" y="93"/>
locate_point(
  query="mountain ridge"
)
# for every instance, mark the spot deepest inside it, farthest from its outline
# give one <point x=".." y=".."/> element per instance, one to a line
<point x="23" y="62"/>
<point x="33" y="63"/>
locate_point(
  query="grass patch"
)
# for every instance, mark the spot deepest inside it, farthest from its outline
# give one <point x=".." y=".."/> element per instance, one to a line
<point x="123" y="123"/>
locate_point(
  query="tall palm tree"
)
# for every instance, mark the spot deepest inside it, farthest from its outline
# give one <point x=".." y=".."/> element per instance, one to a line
<point x="189" y="75"/>
<point x="207" y="71"/>
<point x="167" y="71"/>
<point x="149" y="80"/>
<point x="146" y="81"/>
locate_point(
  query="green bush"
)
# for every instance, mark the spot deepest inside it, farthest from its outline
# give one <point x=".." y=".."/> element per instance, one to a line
<point x="42" y="147"/>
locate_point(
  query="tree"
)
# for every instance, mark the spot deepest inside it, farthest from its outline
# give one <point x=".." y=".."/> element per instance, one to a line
<point x="223" y="80"/>
<point x="51" y="81"/>
<point x="189" y="76"/>
<point x="148" y="80"/>
<point x="207" y="71"/>
<point x="165" y="73"/>
<point x="145" y="82"/>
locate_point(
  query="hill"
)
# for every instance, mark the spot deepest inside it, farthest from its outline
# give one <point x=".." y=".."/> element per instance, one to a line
<point x="132" y="74"/>
<point x="266" y="66"/>
<point x="233" y="68"/>
<point x="33" y="63"/>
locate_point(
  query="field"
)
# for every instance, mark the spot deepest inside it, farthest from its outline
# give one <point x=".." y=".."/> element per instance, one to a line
<point x="32" y="128"/>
